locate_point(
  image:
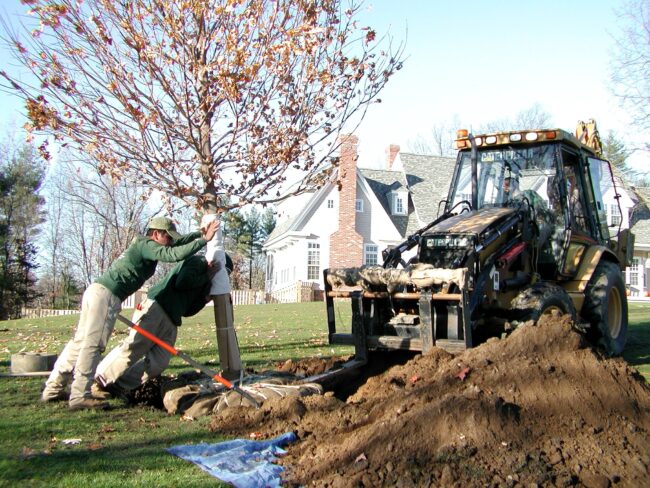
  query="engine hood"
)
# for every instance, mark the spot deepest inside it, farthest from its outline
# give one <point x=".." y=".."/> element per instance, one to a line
<point x="474" y="222"/>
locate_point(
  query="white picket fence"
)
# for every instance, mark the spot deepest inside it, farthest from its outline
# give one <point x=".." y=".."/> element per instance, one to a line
<point x="295" y="292"/>
<point x="31" y="313"/>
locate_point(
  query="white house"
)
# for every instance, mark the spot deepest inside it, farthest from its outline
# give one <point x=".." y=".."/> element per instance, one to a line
<point x="351" y="226"/>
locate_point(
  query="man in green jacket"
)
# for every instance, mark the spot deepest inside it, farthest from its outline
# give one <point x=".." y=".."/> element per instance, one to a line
<point x="183" y="292"/>
<point x="102" y="301"/>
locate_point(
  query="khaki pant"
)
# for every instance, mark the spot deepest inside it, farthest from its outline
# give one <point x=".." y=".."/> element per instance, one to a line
<point x="137" y="359"/>
<point x="79" y="359"/>
<point x="229" y="357"/>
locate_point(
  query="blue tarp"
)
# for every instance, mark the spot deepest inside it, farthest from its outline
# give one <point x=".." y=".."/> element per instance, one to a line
<point x="243" y="463"/>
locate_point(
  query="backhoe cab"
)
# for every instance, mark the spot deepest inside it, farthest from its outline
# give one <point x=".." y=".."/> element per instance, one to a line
<point x="523" y="233"/>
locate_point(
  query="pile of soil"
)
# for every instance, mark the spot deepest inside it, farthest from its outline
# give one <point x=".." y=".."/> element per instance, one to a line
<point x="538" y="408"/>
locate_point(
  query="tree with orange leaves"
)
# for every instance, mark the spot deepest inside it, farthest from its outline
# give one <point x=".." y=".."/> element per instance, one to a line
<point x="202" y="98"/>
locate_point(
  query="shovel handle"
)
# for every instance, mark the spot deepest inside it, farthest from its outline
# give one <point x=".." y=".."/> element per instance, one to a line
<point x="149" y="335"/>
<point x="172" y="350"/>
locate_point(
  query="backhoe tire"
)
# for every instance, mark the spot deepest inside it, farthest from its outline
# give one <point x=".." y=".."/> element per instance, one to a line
<point x="605" y="308"/>
<point x="542" y="299"/>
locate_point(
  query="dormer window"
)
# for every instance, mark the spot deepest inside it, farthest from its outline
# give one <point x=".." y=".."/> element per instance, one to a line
<point x="398" y="203"/>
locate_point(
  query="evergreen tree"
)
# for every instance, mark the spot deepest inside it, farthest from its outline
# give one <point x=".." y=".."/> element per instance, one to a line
<point x="245" y="235"/>
<point x="21" y="176"/>
<point x="615" y="151"/>
<point x="233" y="223"/>
<point x="268" y="222"/>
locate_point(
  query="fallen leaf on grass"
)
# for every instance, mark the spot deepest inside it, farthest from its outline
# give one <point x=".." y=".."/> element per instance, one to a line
<point x="70" y="442"/>
<point x="28" y="453"/>
<point x="106" y="429"/>
<point x="94" y="447"/>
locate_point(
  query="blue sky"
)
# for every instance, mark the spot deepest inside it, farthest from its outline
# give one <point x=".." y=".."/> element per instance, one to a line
<point x="488" y="60"/>
<point x="479" y="61"/>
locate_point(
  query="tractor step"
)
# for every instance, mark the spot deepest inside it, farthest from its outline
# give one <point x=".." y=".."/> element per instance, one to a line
<point x="451" y="345"/>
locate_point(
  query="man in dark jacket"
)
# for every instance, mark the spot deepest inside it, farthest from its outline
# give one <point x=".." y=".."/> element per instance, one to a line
<point x="102" y="301"/>
<point x="183" y="292"/>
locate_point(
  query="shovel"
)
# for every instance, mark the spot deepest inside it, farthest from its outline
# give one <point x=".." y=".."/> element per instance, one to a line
<point x="188" y="360"/>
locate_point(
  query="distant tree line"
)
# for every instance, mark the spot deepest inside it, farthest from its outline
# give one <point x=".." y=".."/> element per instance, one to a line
<point x="58" y="234"/>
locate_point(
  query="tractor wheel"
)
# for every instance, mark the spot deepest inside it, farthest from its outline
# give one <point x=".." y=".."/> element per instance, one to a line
<point x="605" y="308"/>
<point x="542" y="299"/>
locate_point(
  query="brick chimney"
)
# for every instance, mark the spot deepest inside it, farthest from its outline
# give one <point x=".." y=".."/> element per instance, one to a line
<point x="391" y="154"/>
<point x="346" y="244"/>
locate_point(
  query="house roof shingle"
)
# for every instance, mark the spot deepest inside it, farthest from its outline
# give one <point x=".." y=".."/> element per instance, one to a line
<point x="428" y="179"/>
<point x="382" y="182"/>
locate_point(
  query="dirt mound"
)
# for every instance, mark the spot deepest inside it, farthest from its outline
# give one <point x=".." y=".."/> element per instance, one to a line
<point x="539" y="408"/>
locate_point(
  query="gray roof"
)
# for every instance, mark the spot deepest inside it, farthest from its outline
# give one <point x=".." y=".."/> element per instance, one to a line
<point x="641" y="231"/>
<point x="382" y="182"/>
<point x="281" y="228"/>
<point x="428" y="178"/>
<point x="640" y="218"/>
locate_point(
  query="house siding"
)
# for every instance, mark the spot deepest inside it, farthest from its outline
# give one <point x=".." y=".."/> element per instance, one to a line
<point x="364" y="219"/>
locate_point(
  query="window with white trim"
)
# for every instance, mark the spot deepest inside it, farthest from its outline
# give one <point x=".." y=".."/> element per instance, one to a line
<point x="614" y="215"/>
<point x="398" y="206"/>
<point x="313" y="261"/>
<point x="330" y="203"/>
<point x="634" y="272"/>
<point x="358" y="205"/>
<point x="370" y="254"/>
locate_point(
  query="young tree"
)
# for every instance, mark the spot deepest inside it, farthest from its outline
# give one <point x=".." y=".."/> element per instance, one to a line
<point x="21" y="176"/>
<point x="206" y="98"/>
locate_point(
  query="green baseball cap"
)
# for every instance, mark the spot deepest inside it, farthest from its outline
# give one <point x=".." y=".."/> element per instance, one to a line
<point x="166" y="224"/>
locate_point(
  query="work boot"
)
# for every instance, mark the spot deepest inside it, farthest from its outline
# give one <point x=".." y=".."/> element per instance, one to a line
<point x="100" y="393"/>
<point x="89" y="403"/>
<point x="54" y="396"/>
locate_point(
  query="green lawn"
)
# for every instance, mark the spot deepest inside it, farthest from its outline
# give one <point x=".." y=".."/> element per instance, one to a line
<point x="126" y="446"/>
